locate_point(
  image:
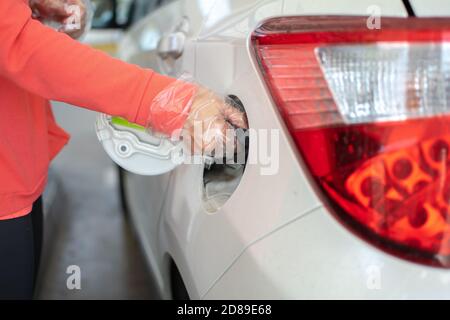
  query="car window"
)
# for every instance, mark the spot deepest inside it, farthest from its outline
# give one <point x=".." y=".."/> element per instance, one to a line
<point x="122" y="13"/>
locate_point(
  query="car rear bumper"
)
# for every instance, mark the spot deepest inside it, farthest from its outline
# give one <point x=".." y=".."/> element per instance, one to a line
<point x="314" y="257"/>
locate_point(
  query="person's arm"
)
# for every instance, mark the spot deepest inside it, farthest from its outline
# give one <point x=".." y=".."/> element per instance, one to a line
<point x="56" y="67"/>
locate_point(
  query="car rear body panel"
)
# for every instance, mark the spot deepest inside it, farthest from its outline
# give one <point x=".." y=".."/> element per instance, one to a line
<point x="431" y="8"/>
<point x="315" y="257"/>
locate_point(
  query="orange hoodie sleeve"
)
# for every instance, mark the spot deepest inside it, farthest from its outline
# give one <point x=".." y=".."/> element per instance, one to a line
<point x="54" y="66"/>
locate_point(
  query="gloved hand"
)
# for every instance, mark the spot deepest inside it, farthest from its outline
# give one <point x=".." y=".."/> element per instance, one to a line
<point x="71" y="16"/>
<point x="199" y="115"/>
<point x="209" y="119"/>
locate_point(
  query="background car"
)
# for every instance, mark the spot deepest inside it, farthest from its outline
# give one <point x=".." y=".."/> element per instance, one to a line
<point x="225" y="231"/>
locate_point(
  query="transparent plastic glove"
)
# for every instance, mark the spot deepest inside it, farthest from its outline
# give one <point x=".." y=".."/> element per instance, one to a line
<point x="199" y="116"/>
<point x="211" y="125"/>
<point x="72" y="17"/>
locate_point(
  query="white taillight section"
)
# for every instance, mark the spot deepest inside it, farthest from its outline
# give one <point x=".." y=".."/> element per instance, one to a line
<point x="387" y="81"/>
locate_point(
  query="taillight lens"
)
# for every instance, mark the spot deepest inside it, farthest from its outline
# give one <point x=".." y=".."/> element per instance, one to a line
<point x="369" y="111"/>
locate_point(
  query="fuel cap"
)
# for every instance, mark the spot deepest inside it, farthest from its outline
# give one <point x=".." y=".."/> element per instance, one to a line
<point x="135" y="149"/>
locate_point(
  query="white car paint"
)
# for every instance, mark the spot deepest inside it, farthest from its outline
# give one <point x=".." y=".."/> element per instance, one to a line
<point x="431" y="8"/>
<point x="272" y="238"/>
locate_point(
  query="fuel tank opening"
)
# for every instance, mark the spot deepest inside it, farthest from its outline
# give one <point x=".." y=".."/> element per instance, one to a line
<point x="221" y="177"/>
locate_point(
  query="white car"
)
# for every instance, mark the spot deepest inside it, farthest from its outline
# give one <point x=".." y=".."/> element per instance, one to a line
<point x="349" y="100"/>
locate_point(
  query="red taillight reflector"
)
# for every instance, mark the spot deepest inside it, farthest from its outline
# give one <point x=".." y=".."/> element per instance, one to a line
<point x="369" y="111"/>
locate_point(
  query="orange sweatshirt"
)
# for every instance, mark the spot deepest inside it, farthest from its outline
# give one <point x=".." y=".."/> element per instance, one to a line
<point x="38" y="64"/>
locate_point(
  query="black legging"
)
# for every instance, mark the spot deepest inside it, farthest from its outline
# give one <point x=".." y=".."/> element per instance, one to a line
<point x="20" y="250"/>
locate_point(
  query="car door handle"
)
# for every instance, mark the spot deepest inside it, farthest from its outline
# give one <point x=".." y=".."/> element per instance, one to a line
<point x="171" y="46"/>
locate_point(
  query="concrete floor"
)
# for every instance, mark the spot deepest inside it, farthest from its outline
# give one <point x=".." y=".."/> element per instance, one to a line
<point x="85" y="225"/>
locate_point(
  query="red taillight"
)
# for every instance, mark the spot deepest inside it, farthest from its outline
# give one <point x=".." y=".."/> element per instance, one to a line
<point x="369" y="111"/>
